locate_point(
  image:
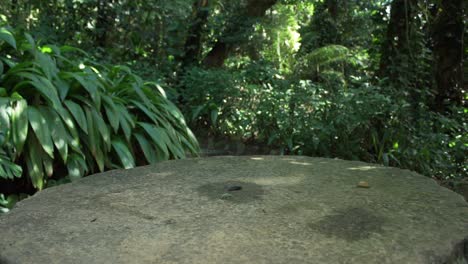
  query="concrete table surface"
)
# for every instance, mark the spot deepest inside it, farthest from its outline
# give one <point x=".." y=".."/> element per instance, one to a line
<point x="250" y="209"/>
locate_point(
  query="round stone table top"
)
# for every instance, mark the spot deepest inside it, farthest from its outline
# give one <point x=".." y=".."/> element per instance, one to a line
<point x="251" y="209"/>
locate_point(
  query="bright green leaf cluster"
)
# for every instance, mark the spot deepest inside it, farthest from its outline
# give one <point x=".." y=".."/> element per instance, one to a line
<point x="61" y="113"/>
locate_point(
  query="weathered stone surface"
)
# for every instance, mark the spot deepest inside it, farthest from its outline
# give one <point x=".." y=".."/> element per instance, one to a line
<point x="288" y="210"/>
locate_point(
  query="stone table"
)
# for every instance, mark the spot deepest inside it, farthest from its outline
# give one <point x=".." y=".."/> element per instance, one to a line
<point x="251" y="209"/>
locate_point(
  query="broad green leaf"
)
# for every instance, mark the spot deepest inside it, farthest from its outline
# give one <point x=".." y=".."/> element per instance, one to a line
<point x="111" y="112"/>
<point x="44" y="87"/>
<point x="94" y="142"/>
<point x="124" y="154"/>
<point x="5" y="124"/>
<point x="62" y="88"/>
<point x="48" y="165"/>
<point x="130" y="119"/>
<point x="175" y="145"/>
<point x="18" y="68"/>
<point x="81" y="100"/>
<point x="8" y="169"/>
<point x="159" y="139"/>
<point x="3" y="200"/>
<point x="32" y="44"/>
<point x="3" y="169"/>
<point x="191" y="137"/>
<point x="100" y="159"/>
<point x="190" y="146"/>
<point x="89" y="84"/>
<point x="11" y="200"/>
<point x="77" y="113"/>
<point x="176" y="150"/>
<point x="59" y="133"/>
<point x="145" y="110"/>
<point x="103" y="129"/>
<point x="385" y="159"/>
<point x="8" y="37"/>
<point x="174" y="111"/>
<point x="74" y="141"/>
<point x="92" y="139"/>
<point x="46" y="64"/>
<point x="147" y="148"/>
<point x="158" y="87"/>
<point x="41" y="129"/>
<point x="19" y="124"/>
<point x="76" y="166"/>
<point x="124" y="124"/>
<point x="34" y="163"/>
<point x="141" y="94"/>
<point x="10" y="63"/>
<point x="125" y="120"/>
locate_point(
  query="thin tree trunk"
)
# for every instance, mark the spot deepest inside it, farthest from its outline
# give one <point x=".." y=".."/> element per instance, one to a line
<point x="397" y="38"/>
<point x="104" y="22"/>
<point x="193" y="44"/>
<point x="447" y="35"/>
<point x="332" y="6"/>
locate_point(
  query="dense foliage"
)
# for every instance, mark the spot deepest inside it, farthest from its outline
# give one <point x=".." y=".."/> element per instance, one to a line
<point x="379" y="81"/>
<point x="65" y="115"/>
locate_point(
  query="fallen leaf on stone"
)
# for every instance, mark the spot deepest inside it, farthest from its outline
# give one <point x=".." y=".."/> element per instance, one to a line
<point x="363" y="184"/>
<point x="226" y="196"/>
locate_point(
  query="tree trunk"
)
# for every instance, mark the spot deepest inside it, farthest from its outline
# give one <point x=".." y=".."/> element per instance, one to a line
<point x="104" y="22"/>
<point x="332" y="6"/>
<point x="70" y="21"/>
<point x="447" y="34"/>
<point x="257" y="8"/>
<point x="236" y="33"/>
<point x="193" y="44"/>
<point x="397" y="38"/>
<point x="217" y="55"/>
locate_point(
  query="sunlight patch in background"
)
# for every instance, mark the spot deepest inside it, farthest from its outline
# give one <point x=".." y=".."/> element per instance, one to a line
<point x="257" y="158"/>
<point x="363" y="168"/>
<point x="282" y="180"/>
<point x="301" y="163"/>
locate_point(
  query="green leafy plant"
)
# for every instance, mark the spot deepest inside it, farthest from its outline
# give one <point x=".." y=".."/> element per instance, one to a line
<point x="60" y="112"/>
<point x="213" y="96"/>
<point x="7" y="202"/>
<point x="365" y="121"/>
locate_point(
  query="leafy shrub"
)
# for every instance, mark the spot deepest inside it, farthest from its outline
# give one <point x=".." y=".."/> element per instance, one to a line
<point x="375" y="124"/>
<point x="60" y="114"/>
<point x="241" y="104"/>
<point x="6" y="203"/>
<point x="360" y="121"/>
<point x="216" y="99"/>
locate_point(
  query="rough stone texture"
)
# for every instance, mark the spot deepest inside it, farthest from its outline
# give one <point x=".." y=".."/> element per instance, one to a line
<point x="289" y="210"/>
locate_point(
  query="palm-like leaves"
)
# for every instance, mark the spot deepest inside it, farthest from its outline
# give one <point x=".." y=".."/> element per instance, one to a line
<point x="322" y="60"/>
<point x="58" y="112"/>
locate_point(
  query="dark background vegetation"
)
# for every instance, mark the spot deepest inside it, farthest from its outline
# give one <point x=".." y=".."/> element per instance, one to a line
<point x="380" y="81"/>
